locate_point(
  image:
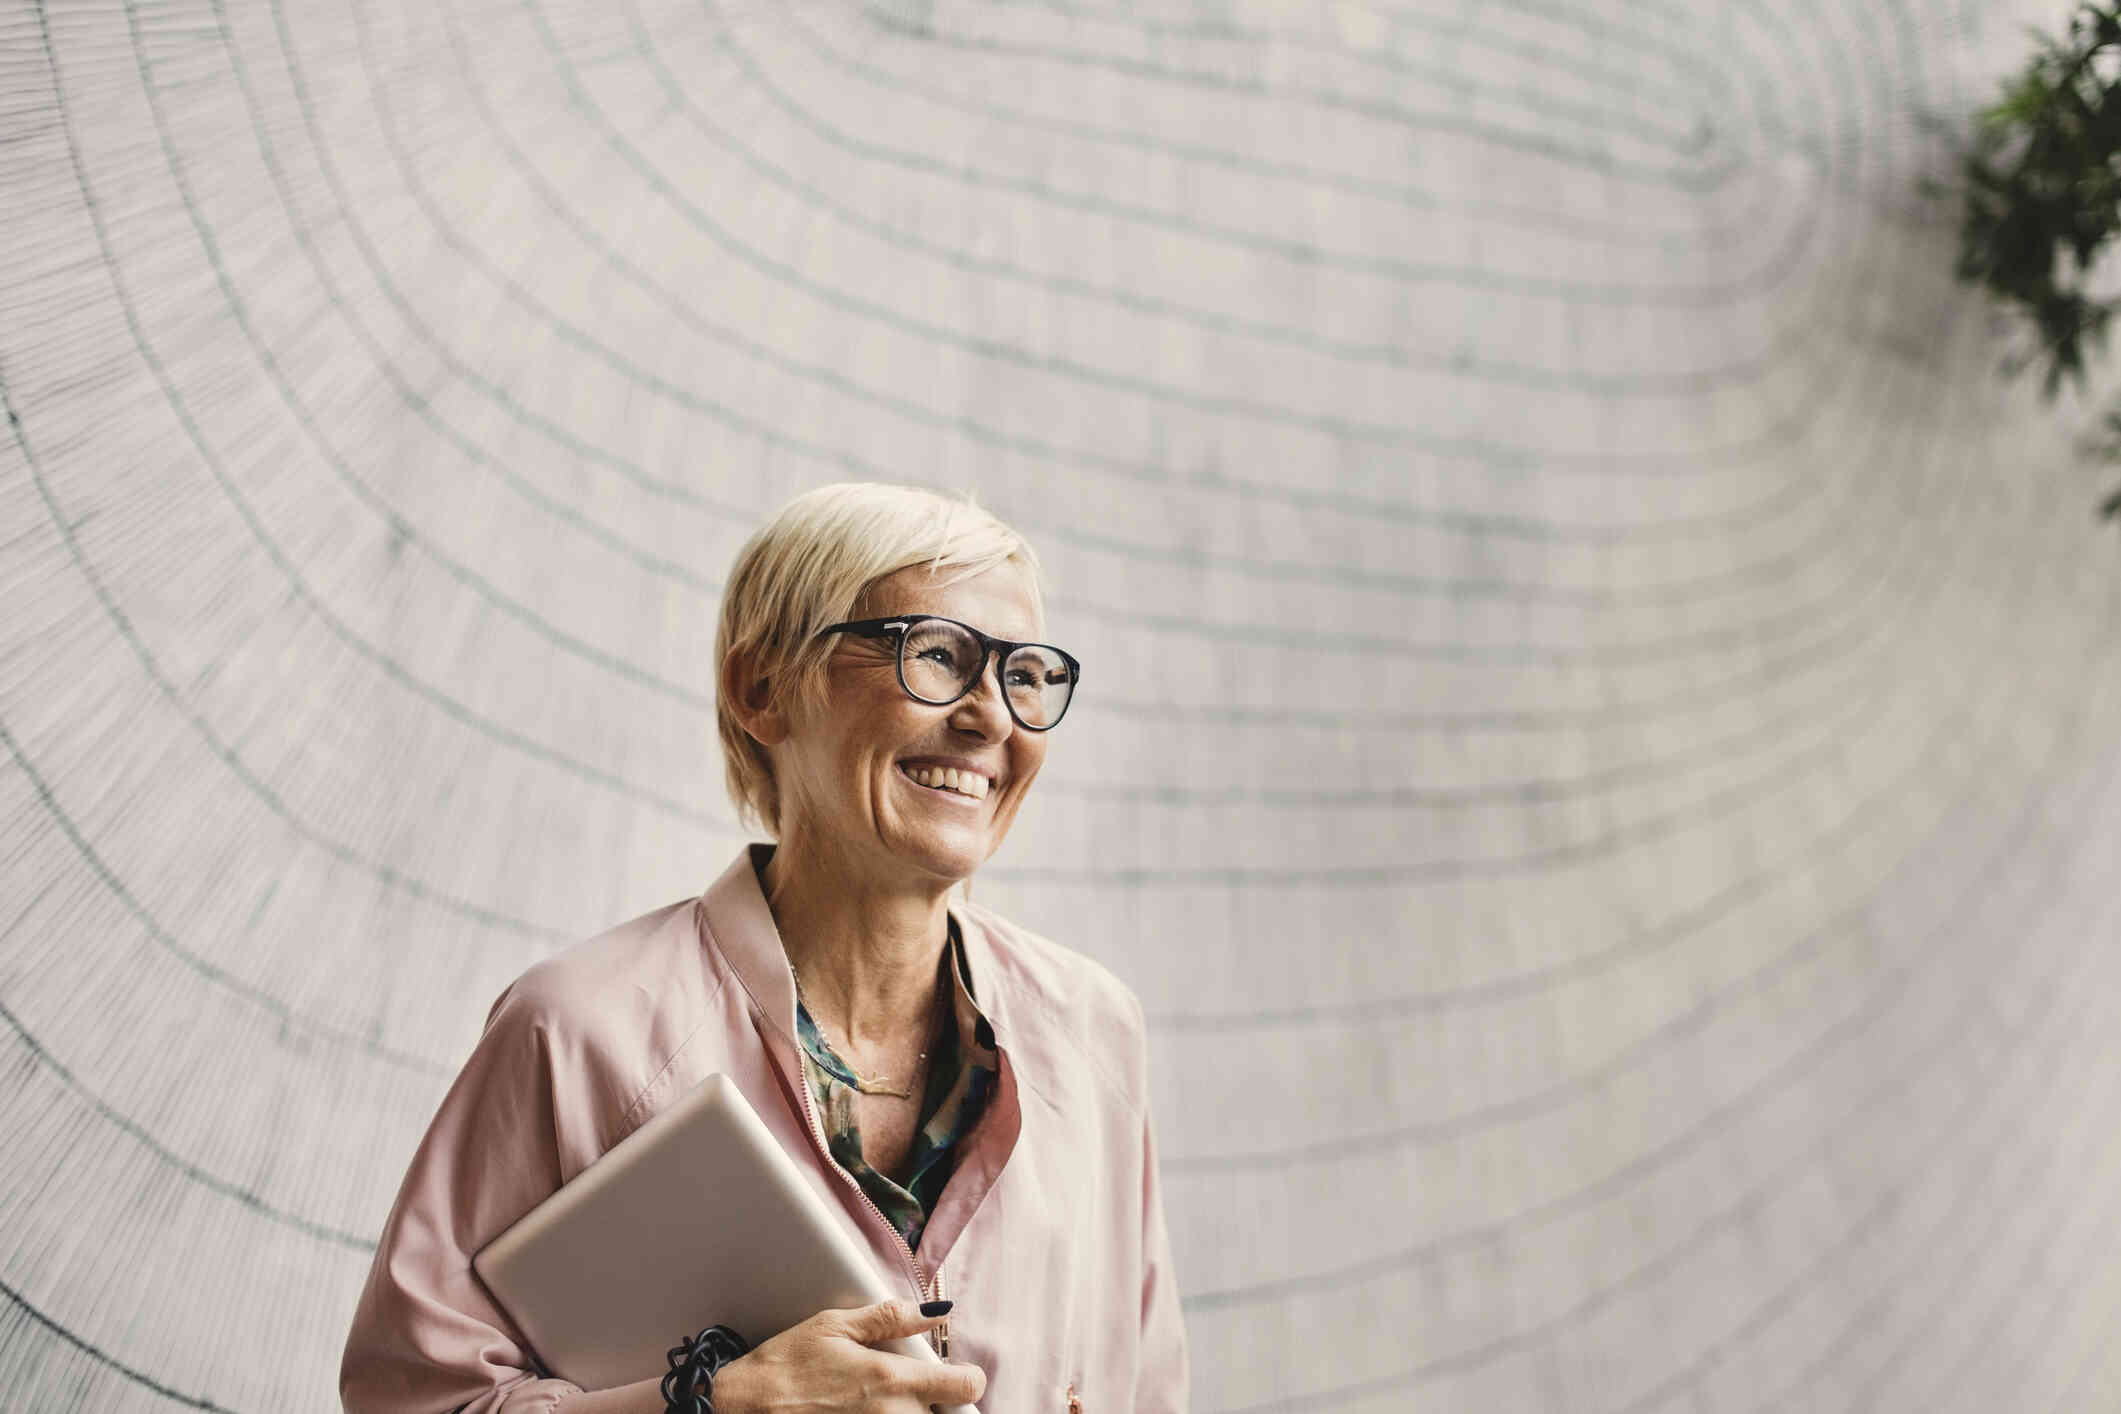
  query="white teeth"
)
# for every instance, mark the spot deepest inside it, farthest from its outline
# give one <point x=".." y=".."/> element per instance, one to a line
<point x="968" y="783"/>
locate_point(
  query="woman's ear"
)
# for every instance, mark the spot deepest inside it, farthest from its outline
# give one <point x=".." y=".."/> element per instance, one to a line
<point x="749" y="696"/>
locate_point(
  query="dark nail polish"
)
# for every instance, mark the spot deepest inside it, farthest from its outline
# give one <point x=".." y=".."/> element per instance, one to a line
<point x="936" y="1308"/>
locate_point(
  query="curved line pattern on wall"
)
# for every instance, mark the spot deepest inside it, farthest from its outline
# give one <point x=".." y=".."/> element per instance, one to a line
<point x="1597" y="752"/>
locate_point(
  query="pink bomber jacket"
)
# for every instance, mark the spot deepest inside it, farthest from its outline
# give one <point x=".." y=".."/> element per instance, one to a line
<point x="1049" y="1237"/>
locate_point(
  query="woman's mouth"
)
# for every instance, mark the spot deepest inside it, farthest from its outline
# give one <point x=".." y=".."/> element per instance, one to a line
<point x="945" y="780"/>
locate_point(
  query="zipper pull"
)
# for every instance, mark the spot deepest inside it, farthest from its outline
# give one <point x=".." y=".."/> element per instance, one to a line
<point x="940" y="1336"/>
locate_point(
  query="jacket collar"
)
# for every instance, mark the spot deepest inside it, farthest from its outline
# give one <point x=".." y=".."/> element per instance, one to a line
<point x="735" y="916"/>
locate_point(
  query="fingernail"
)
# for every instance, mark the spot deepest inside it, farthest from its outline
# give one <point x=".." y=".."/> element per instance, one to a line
<point x="936" y="1308"/>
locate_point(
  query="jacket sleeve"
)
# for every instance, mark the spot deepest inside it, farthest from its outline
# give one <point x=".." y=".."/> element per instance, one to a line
<point x="1161" y="1385"/>
<point x="426" y="1338"/>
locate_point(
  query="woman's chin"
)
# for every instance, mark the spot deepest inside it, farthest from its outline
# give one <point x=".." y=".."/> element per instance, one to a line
<point x="951" y="855"/>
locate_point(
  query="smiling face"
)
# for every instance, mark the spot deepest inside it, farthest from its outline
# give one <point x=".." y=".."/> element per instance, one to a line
<point x="851" y="776"/>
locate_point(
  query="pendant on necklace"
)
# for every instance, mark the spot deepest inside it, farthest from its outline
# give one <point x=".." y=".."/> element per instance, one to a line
<point x="881" y="1084"/>
<point x="878" y="1085"/>
<point x="863" y="1084"/>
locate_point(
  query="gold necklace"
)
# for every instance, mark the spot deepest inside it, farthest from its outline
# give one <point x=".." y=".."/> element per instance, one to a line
<point x="865" y="1084"/>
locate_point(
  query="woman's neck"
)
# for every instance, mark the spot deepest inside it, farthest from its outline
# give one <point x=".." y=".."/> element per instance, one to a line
<point x="867" y="955"/>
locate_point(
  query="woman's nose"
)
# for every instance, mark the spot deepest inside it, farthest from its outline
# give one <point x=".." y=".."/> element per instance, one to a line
<point x="983" y="709"/>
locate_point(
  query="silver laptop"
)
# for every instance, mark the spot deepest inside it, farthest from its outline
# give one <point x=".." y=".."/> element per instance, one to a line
<point x="697" y="1218"/>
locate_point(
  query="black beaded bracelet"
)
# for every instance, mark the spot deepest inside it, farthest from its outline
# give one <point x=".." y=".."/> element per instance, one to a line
<point x="689" y="1387"/>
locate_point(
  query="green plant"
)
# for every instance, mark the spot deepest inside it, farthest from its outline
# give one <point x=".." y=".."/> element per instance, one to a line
<point x="2043" y="200"/>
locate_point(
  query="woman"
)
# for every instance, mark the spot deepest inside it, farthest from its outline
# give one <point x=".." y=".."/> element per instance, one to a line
<point x="975" y="1093"/>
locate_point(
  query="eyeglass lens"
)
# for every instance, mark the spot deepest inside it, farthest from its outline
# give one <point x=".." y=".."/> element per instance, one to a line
<point x="939" y="662"/>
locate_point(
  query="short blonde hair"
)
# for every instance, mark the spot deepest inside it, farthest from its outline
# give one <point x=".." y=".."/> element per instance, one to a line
<point x="809" y="567"/>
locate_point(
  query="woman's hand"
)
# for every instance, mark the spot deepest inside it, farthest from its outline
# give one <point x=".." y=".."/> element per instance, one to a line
<point x="826" y="1363"/>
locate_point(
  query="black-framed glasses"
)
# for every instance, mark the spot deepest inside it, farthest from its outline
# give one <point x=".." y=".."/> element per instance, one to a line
<point x="940" y="660"/>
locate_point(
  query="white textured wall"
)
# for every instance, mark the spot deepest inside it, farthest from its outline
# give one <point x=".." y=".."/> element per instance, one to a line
<point x="1599" y="744"/>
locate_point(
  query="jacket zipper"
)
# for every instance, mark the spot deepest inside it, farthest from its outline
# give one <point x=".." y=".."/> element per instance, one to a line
<point x="940" y="1336"/>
